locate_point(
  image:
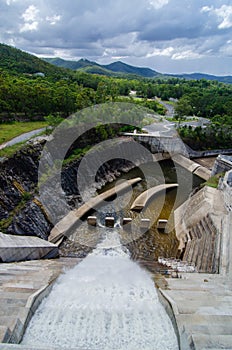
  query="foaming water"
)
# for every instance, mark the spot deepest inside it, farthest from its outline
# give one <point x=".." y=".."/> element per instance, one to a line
<point x="105" y="302"/>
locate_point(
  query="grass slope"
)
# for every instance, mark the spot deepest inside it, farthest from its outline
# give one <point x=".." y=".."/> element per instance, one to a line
<point x="11" y="130"/>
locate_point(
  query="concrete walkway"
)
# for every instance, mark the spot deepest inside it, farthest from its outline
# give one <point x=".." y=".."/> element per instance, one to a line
<point x="65" y="224"/>
<point x="142" y="200"/>
<point x="202" y="305"/>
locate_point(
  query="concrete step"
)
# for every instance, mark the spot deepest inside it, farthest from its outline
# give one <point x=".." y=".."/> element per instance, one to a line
<point x="29" y="347"/>
<point x="4" y="334"/>
<point x="216" y="257"/>
<point x="194" y="320"/>
<point x="198" y="232"/>
<point x="206" y="253"/>
<point x="209" y="329"/>
<point x="195" y="293"/>
<point x="200" y="256"/>
<point x="186" y="253"/>
<point x="196" y="251"/>
<point x="213" y="342"/>
<point x="210" y="266"/>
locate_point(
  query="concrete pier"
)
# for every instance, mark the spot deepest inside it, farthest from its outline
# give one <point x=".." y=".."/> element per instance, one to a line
<point x="145" y="224"/>
<point x="109" y="221"/>
<point x="92" y="220"/>
<point x="126" y="221"/>
<point x="141" y="201"/>
<point x="162" y="224"/>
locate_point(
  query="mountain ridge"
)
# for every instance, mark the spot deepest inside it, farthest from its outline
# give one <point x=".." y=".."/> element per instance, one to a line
<point x="18" y="61"/>
<point x="119" y="67"/>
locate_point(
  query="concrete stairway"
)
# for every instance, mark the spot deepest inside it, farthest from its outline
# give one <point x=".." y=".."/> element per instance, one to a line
<point x="22" y="287"/>
<point x="203" y="246"/>
<point x="202" y="305"/>
<point x="24" y="347"/>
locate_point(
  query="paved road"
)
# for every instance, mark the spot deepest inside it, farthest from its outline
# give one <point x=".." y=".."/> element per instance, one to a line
<point x="164" y="128"/>
<point x="194" y="123"/>
<point x="24" y="137"/>
<point x="169" y="107"/>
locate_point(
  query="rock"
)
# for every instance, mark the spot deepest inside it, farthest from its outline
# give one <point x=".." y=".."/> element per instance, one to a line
<point x="30" y="221"/>
<point x="21" y="206"/>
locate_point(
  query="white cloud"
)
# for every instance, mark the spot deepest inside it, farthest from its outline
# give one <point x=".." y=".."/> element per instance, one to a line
<point x="206" y="9"/>
<point x="9" y="2"/>
<point x="29" y="27"/>
<point x="225" y="13"/>
<point x="157" y="4"/>
<point x="186" y="55"/>
<point x="227" y="49"/>
<point x="161" y="52"/>
<point x="178" y="51"/>
<point x="53" y="19"/>
<point x="30" y="17"/>
<point x="30" y="14"/>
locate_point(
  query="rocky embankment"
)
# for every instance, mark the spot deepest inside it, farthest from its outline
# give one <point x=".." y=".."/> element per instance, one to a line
<point x="21" y="209"/>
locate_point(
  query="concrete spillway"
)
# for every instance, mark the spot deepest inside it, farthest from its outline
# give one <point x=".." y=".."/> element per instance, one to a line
<point x="106" y="302"/>
<point x="73" y="216"/>
<point x="144" y="197"/>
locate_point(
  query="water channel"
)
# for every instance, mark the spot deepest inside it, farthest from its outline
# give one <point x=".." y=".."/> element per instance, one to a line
<point x="105" y="302"/>
<point x="108" y="301"/>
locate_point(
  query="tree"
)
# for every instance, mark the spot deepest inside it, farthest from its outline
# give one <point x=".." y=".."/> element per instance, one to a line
<point x="183" y="107"/>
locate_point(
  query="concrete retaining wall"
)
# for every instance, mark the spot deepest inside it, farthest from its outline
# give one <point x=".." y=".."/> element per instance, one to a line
<point x="222" y="164"/>
<point x="19" y="248"/>
<point x="166" y="144"/>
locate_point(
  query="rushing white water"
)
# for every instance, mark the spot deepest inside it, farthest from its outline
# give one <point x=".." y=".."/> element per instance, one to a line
<point x="105" y="302"/>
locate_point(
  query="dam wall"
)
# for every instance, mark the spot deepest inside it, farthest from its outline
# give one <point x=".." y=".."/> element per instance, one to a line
<point x="163" y="144"/>
<point x="202" y="302"/>
<point x="222" y="164"/>
<point x="199" y="227"/>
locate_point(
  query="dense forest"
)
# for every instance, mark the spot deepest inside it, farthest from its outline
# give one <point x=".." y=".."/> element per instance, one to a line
<point x="31" y="88"/>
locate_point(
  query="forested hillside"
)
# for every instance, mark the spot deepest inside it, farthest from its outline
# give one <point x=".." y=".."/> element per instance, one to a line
<point x="60" y="92"/>
<point x="16" y="62"/>
<point x="122" y="69"/>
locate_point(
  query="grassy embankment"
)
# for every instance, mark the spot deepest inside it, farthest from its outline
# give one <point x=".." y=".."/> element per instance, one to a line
<point x="8" y="131"/>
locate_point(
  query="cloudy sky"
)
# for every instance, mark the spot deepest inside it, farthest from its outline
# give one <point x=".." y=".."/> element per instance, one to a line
<point x="171" y="36"/>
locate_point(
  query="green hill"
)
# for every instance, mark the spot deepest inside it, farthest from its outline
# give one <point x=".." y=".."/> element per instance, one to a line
<point x="114" y="69"/>
<point x="16" y="62"/>
<point x="128" y="69"/>
<point x="74" y="65"/>
<point x="125" y="70"/>
<point x="198" y="76"/>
